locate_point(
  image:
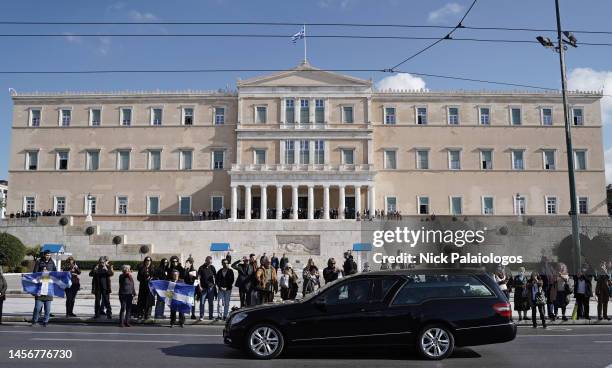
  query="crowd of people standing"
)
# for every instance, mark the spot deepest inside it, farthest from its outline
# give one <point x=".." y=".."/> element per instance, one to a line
<point x="258" y="281"/>
<point x="547" y="291"/>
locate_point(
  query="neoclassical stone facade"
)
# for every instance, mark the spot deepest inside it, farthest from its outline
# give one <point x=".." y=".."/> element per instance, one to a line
<point x="303" y="144"/>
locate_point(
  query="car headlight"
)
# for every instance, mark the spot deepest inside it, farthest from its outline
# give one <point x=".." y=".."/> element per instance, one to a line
<point x="238" y="318"/>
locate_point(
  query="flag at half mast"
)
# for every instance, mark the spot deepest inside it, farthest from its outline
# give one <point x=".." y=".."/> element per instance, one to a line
<point x="298" y="36"/>
<point x="301" y="35"/>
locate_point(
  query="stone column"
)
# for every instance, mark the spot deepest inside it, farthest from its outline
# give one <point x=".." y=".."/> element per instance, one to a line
<point x="234" y="202"/>
<point x="294" y="201"/>
<point x="264" y="202"/>
<point x="341" y="202"/>
<point x="279" y="202"/>
<point x="326" y="202"/>
<point x="357" y="200"/>
<point x="311" y="202"/>
<point x="371" y="199"/>
<point x="247" y="202"/>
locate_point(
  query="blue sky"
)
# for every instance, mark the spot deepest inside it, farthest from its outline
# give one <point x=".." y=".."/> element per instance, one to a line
<point x="589" y="67"/>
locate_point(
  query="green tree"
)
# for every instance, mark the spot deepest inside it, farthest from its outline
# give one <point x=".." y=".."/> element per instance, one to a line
<point x="33" y="252"/>
<point x="12" y="250"/>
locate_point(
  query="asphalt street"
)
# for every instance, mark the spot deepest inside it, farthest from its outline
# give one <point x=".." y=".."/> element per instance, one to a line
<point x="154" y="346"/>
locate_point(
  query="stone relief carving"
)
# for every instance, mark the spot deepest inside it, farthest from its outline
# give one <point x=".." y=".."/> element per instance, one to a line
<point x="298" y="244"/>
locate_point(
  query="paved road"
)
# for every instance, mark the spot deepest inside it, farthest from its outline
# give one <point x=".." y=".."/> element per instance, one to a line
<point x="108" y="346"/>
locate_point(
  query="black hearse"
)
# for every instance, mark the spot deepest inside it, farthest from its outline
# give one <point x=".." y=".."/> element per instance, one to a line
<point x="433" y="309"/>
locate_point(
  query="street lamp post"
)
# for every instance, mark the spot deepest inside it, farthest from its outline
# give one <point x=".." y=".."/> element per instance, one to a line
<point x="560" y="48"/>
<point x="89" y="199"/>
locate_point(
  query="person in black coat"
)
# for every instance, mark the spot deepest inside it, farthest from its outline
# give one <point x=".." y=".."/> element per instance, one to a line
<point x="175" y="265"/>
<point x="3" y="287"/>
<point x="72" y="291"/>
<point x="176" y="277"/>
<point x="206" y="276"/>
<point x="252" y="296"/>
<point x="45" y="263"/>
<point x="350" y="266"/>
<point x="101" y="286"/>
<point x="275" y="262"/>
<point x="283" y="262"/>
<point x="224" y="281"/>
<point x="190" y="275"/>
<point x="161" y="273"/>
<point x="583" y="291"/>
<point x="244" y="274"/>
<point x="146" y="300"/>
<point x="331" y="272"/>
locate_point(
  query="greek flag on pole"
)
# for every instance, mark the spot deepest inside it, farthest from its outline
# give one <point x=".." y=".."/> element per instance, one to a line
<point x="175" y="294"/>
<point x="46" y="283"/>
<point x="298" y="36"/>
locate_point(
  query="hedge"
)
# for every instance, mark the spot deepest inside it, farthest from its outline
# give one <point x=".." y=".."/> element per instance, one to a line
<point x="12" y="250"/>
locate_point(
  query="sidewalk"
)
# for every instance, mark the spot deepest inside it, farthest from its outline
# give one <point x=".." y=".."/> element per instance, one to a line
<point x="18" y="308"/>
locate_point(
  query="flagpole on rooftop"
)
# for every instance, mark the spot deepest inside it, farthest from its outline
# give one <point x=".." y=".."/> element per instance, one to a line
<point x="304" y="29"/>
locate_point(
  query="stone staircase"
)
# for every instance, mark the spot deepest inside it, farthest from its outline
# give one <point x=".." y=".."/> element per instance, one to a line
<point x="101" y="243"/>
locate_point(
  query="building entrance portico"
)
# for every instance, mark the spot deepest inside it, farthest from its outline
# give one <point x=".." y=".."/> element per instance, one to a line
<point x="301" y="195"/>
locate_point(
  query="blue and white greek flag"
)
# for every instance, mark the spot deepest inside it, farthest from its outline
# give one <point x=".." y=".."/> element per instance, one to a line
<point x="177" y="295"/>
<point x="298" y="36"/>
<point x="46" y="283"/>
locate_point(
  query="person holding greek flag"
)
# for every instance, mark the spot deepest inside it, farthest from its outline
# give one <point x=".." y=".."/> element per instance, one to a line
<point x="176" y="294"/>
<point x="44" y="286"/>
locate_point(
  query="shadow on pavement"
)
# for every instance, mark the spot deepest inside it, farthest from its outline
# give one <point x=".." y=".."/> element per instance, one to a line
<point x="203" y="351"/>
<point x="378" y="353"/>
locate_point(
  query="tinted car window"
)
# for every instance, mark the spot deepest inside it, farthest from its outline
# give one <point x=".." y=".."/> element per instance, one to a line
<point x="423" y="287"/>
<point x="351" y="292"/>
<point x="382" y="287"/>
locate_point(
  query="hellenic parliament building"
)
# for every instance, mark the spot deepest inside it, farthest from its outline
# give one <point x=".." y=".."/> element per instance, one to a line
<point x="289" y="161"/>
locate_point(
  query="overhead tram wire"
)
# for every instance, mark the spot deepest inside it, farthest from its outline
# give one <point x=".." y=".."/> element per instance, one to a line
<point x="230" y="35"/>
<point x="448" y="36"/>
<point x="350" y="25"/>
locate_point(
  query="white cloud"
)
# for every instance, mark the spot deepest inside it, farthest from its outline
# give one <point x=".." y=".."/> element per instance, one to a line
<point x="104" y="44"/>
<point x="71" y="38"/>
<point x="587" y="79"/>
<point x="441" y="15"/>
<point x="116" y="6"/>
<point x="142" y="16"/>
<point x="400" y="82"/>
<point x="328" y="3"/>
<point x="608" y="161"/>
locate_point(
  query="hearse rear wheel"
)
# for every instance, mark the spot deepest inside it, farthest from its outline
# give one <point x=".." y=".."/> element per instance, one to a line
<point x="435" y="342"/>
<point x="265" y="341"/>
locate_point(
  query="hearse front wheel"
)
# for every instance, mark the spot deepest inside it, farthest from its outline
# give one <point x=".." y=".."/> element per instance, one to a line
<point x="265" y="341"/>
<point x="435" y="342"/>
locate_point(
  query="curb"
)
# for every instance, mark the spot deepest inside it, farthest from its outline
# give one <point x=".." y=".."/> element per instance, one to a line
<point x="113" y="321"/>
<point x="581" y="322"/>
